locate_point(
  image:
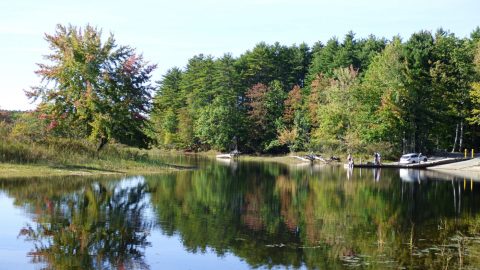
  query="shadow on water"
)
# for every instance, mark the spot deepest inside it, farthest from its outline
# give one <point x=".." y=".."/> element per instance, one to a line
<point x="268" y="215"/>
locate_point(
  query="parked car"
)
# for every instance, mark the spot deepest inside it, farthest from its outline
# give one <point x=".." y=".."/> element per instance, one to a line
<point x="412" y="158"/>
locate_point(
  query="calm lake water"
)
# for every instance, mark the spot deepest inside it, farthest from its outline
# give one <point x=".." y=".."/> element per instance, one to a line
<point x="240" y="216"/>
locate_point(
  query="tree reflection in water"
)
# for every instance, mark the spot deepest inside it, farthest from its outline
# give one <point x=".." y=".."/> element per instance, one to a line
<point x="273" y="217"/>
<point x="97" y="227"/>
<point x="265" y="214"/>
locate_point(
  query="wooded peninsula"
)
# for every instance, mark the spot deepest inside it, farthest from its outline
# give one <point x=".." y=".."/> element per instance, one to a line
<point x="354" y="95"/>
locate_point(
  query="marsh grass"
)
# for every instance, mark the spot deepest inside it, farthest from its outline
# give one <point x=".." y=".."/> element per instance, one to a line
<point x="60" y="155"/>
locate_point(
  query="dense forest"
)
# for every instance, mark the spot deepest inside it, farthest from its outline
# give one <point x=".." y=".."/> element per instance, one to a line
<point x="356" y="95"/>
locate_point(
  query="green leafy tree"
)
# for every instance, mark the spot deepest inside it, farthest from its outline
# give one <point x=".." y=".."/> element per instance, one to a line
<point x="316" y="98"/>
<point x="216" y="124"/>
<point x="475" y="86"/>
<point x="186" y="138"/>
<point x="475" y="35"/>
<point x="30" y="127"/>
<point x="382" y="97"/>
<point x="475" y="97"/>
<point x="452" y="73"/>
<point x="336" y="110"/>
<point x="99" y="88"/>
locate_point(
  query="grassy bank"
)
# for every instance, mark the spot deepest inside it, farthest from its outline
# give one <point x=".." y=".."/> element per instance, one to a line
<point x="59" y="156"/>
<point x="9" y="170"/>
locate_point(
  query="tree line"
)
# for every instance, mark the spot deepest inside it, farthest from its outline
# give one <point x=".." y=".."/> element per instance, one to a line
<point x="355" y="95"/>
<point x="352" y="95"/>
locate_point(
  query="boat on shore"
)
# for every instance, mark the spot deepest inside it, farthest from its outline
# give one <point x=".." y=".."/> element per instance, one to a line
<point x="225" y="156"/>
<point x="231" y="155"/>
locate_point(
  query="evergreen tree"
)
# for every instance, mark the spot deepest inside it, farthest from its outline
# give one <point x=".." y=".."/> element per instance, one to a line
<point x="169" y="99"/>
<point x="418" y="52"/>
<point x="403" y="96"/>
<point x="222" y="121"/>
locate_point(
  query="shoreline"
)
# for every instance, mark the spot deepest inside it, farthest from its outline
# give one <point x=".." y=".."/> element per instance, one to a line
<point x="282" y="159"/>
<point x="12" y="170"/>
<point x="128" y="167"/>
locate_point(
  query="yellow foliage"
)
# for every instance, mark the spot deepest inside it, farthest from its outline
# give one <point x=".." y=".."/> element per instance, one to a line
<point x="286" y="136"/>
<point x="475" y="97"/>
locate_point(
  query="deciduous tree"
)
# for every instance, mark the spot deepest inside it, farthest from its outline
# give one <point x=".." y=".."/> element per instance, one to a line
<point x="98" y="88"/>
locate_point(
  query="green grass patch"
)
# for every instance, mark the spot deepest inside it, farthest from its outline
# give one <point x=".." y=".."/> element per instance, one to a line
<point x="58" y="156"/>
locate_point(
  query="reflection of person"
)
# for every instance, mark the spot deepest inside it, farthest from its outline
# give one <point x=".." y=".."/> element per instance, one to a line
<point x="349" y="172"/>
<point x="350" y="161"/>
<point x="376" y="175"/>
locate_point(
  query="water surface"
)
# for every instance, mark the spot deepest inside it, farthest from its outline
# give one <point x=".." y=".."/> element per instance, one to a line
<point x="242" y="215"/>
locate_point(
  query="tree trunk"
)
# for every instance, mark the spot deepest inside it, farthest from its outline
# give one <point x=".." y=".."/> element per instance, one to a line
<point x="413" y="145"/>
<point x="460" y="143"/>
<point x="102" y="143"/>
<point x="456" y="139"/>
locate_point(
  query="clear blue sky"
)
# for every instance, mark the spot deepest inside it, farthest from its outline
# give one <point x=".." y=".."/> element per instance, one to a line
<point x="168" y="33"/>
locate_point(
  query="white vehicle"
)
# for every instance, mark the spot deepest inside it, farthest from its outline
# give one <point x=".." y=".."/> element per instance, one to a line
<point x="412" y="175"/>
<point x="412" y="158"/>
